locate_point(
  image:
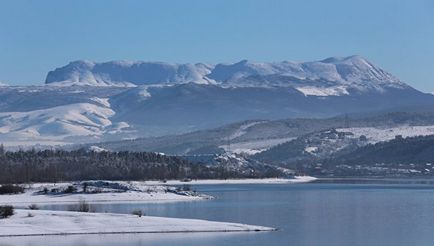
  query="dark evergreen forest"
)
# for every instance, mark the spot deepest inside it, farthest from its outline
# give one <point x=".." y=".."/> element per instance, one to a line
<point x="59" y="165"/>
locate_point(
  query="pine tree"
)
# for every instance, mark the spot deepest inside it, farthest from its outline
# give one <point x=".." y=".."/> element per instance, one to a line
<point x="2" y="150"/>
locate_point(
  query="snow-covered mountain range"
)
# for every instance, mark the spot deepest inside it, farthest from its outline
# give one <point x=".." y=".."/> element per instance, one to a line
<point x="92" y="102"/>
<point x="332" y="76"/>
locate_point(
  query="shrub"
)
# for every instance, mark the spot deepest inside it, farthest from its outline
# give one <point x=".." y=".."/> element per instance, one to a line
<point x="81" y="206"/>
<point x="6" y="211"/>
<point x="97" y="190"/>
<point x="11" y="189"/>
<point x="138" y="212"/>
<point x="33" y="207"/>
<point x="184" y="187"/>
<point x="70" y="189"/>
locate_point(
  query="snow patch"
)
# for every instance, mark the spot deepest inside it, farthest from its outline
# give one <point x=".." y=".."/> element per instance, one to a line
<point x="242" y="129"/>
<point x="97" y="149"/>
<point x="254" y="146"/>
<point x="144" y="93"/>
<point x="102" y="101"/>
<point x="323" y="91"/>
<point x="311" y="149"/>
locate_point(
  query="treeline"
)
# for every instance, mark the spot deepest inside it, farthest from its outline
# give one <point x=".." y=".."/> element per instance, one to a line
<point x="60" y="165"/>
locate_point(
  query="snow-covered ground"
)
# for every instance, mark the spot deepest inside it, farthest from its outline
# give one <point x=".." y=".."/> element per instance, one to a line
<point x="131" y="192"/>
<point x="39" y="222"/>
<point x="297" y="179"/>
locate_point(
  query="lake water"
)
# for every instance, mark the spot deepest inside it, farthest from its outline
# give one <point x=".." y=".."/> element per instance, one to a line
<point x="306" y="214"/>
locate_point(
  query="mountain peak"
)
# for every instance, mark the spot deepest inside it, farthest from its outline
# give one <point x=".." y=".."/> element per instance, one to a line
<point x="337" y="59"/>
<point x="81" y="63"/>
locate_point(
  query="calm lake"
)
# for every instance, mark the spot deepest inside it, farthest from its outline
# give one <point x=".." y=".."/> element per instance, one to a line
<point x="306" y="214"/>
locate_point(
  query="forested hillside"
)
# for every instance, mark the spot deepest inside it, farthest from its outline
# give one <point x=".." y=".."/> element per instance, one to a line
<point x="400" y="157"/>
<point x="59" y="165"/>
<point x="416" y="150"/>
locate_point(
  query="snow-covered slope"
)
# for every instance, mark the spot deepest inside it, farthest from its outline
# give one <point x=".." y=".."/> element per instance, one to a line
<point x="54" y="125"/>
<point x="231" y="162"/>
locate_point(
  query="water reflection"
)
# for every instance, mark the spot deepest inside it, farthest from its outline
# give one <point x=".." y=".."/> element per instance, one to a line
<point x="131" y="239"/>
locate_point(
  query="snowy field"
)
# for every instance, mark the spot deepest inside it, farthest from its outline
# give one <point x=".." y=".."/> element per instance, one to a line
<point x="39" y="222"/>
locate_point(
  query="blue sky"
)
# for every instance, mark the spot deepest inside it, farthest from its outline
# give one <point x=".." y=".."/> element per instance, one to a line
<point x="38" y="36"/>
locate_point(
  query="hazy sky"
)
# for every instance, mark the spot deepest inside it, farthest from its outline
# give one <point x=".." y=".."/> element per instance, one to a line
<point x="38" y="36"/>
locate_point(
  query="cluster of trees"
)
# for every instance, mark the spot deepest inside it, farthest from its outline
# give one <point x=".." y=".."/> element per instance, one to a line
<point x="6" y="211"/>
<point x="59" y="165"/>
<point x="10" y="189"/>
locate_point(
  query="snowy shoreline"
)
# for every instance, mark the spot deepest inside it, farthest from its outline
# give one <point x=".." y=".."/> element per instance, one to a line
<point x="138" y="192"/>
<point x="297" y="179"/>
<point x="44" y="223"/>
<point x="99" y="192"/>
